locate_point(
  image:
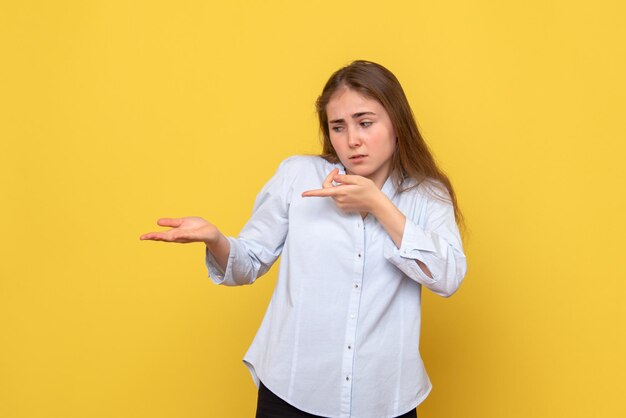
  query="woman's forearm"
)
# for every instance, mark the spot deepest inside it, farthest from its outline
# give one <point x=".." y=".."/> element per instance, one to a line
<point x="393" y="221"/>
<point x="390" y="218"/>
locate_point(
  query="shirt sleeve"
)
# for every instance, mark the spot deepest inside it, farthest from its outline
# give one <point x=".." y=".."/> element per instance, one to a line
<point x="435" y="241"/>
<point x="262" y="239"/>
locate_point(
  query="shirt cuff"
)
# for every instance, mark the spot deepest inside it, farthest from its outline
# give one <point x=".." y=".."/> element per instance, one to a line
<point x="415" y="242"/>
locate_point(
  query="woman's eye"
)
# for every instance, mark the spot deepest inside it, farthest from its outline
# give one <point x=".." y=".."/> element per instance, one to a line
<point x="366" y="124"/>
<point x="336" y="128"/>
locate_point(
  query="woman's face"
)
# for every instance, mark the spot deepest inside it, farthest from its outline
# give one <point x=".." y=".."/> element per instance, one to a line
<point x="361" y="134"/>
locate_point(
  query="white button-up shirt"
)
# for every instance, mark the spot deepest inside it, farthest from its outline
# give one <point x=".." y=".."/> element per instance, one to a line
<point x="340" y="337"/>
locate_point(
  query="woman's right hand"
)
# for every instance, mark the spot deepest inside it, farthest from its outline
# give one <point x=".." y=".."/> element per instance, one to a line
<point x="184" y="230"/>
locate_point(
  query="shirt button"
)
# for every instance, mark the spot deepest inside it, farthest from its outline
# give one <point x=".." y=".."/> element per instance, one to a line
<point x="347" y="378"/>
<point x="352" y="316"/>
<point x="349" y="347"/>
<point x="356" y="285"/>
<point x="359" y="255"/>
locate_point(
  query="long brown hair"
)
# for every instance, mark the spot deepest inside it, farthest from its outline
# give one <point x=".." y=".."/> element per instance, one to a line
<point x="412" y="158"/>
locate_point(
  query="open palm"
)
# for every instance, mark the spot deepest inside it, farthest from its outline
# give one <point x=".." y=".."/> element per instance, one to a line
<point x="184" y="230"/>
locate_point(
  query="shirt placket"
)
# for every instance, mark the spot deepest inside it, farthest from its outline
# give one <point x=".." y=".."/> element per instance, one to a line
<point x="349" y="348"/>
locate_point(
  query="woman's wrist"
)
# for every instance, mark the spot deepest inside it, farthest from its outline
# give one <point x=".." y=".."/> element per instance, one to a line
<point x="213" y="242"/>
<point x="379" y="204"/>
<point x="220" y="248"/>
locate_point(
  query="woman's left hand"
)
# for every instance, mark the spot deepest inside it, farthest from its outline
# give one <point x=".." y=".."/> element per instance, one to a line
<point x="352" y="193"/>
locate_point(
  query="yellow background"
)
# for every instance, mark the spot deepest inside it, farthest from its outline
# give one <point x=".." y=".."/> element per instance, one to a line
<point x="115" y="113"/>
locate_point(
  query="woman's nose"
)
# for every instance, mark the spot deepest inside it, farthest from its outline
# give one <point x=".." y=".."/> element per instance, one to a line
<point x="354" y="140"/>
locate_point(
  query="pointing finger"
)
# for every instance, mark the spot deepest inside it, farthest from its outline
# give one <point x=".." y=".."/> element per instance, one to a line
<point x="329" y="191"/>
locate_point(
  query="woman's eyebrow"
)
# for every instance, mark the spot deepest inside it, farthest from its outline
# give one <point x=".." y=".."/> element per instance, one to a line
<point x="354" y="116"/>
<point x="359" y="114"/>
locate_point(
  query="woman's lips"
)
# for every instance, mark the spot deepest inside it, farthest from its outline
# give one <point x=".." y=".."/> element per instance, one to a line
<point x="357" y="158"/>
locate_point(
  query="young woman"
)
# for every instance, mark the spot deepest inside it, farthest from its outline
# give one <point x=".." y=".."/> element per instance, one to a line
<point x="361" y="229"/>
